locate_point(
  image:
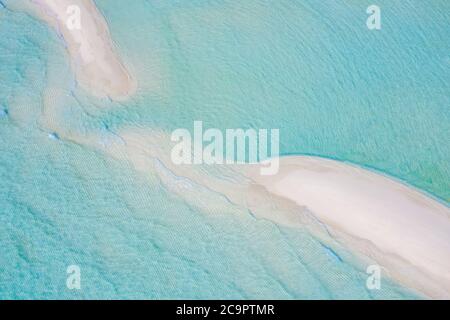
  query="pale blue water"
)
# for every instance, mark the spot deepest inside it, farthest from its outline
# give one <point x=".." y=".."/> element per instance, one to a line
<point x="311" y="68"/>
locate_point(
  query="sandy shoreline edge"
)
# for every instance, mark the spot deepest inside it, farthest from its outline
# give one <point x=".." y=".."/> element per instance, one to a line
<point x="410" y="231"/>
<point x="405" y="231"/>
<point x="380" y="219"/>
<point x="96" y="65"/>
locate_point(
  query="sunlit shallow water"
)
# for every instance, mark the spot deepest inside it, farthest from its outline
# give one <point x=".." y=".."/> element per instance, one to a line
<point x="313" y="70"/>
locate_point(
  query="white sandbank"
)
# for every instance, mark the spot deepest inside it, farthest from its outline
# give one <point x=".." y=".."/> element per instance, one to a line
<point x="97" y="67"/>
<point x="410" y="230"/>
<point x="403" y="230"/>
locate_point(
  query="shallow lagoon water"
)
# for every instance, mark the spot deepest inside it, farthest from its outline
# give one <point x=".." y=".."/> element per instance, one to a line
<point x="313" y="70"/>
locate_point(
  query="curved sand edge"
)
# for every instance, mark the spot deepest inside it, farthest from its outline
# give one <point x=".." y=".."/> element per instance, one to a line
<point x="97" y="67"/>
<point x="404" y="230"/>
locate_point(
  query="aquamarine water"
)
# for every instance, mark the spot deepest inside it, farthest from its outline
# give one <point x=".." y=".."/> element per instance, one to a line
<point x="379" y="99"/>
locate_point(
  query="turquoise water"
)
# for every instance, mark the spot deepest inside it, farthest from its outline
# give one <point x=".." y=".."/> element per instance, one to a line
<point x="335" y="89"/>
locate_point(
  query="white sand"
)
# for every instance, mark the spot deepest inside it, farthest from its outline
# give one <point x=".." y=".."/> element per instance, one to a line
<point x="97" y="67"/>
<point x="403" y="230"/>
<point x="410" y="231"/>
<point x="406" y="232"/>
